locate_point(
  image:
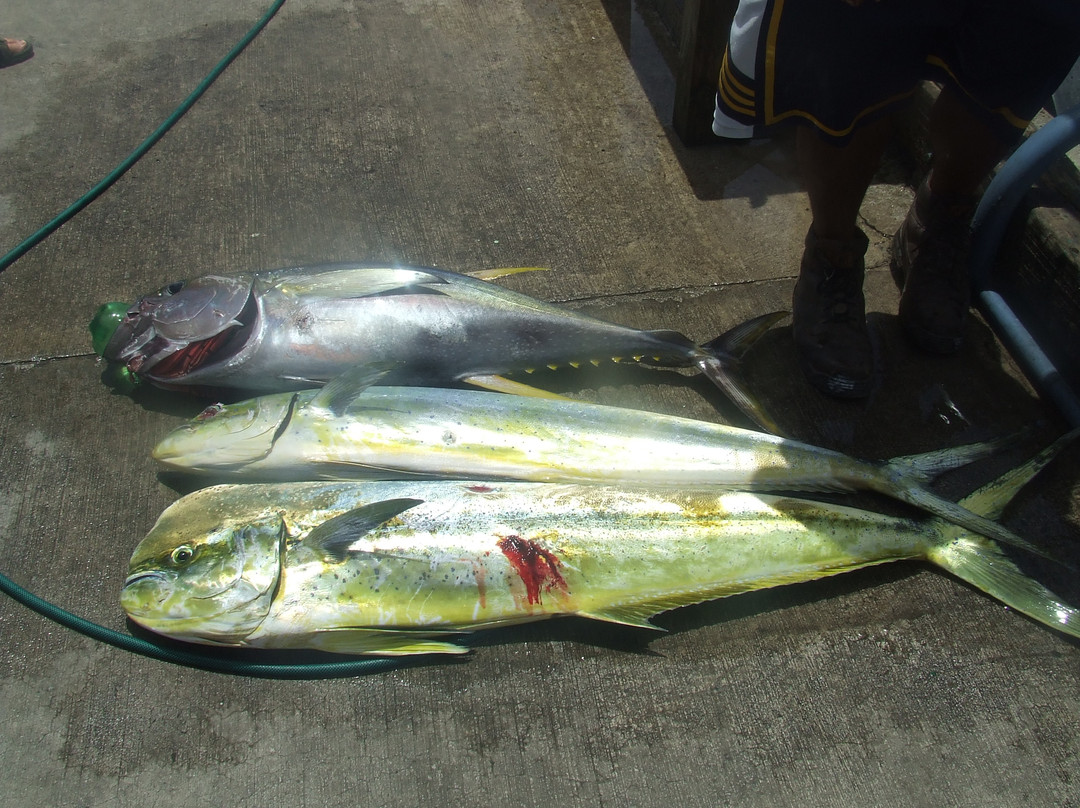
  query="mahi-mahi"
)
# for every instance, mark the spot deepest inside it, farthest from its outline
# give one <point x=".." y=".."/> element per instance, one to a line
<point x="395" y="568"/>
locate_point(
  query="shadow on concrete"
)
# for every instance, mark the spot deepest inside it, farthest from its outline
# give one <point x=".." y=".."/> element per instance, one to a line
<point x="713" y="169"/>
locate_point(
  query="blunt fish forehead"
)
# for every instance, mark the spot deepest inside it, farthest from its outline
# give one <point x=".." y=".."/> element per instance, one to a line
<point x="212" y="585"/>
<point x="227" y="433"/>
<point x="203" y="512"/>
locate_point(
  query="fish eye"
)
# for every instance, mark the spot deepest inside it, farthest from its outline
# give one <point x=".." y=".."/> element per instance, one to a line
<point x="173" y="287"/>
<point x="182" y="555"/>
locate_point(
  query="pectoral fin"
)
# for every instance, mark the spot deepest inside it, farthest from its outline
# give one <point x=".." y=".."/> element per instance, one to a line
<point x="304" y="380"/>
<point x="333" y="537"/>
<point x="341" y="391"/>
<point x="502" y="272"/>
<point x="353" y="281"/>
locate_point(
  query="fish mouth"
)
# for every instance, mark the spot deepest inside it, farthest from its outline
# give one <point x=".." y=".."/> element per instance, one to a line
<point x="142" y="576"/>
<point x="145" y="591"/>
<point x="161" y="602"/>
<point x="184" y="449"/>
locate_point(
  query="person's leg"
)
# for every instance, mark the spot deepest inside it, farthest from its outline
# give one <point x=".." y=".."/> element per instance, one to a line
<point x="929" y="252"/>
<point x="828" y="307"/>
<point x="836" y="177"/>
<point x="965" y="148"/>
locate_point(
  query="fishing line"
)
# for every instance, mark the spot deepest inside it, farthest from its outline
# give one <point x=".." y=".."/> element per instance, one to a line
<point x="127" y="642"/>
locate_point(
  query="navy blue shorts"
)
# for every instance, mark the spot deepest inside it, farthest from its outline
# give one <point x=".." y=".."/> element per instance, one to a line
<point x="837" y="64"/>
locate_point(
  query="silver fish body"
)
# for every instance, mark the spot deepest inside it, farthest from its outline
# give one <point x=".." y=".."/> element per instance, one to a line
<point x="297" y="328"/>
<point x="396" y="568"/>
<point x="349" y="430"/>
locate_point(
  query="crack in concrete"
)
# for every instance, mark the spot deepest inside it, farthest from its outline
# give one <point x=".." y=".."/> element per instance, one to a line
<point x="34" y="361"/>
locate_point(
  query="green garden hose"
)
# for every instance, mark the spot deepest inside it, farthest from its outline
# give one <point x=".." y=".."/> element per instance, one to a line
<point x="194" y="659"/>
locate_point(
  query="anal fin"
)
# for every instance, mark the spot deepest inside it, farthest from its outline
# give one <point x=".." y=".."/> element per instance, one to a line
<point x="634" y="617"/>
<point x="500" y="384"/>
<point x="382" y="642"/>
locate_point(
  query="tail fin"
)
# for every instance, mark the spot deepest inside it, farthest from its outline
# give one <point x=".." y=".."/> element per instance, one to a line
<point x="991" y="499"/>
<point x="959" y="515"/>
<point x="928" y="465"/>
<point x="907" y="474"/>
<point x="719" y="362"/>
<point x="979" y="562"/>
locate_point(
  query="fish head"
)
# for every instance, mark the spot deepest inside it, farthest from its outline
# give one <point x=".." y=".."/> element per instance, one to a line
<point x="205" y="577"/>
<point x="226" y="437"/>
<point x="177" y="329"/>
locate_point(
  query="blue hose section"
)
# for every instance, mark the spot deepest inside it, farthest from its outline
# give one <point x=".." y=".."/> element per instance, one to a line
<point x="991" y="218"/>
<point x="194" y="659"/>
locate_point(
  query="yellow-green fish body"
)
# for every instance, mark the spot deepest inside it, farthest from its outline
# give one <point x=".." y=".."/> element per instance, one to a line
<point x="400" y="567"/>
<point x="350" y="430"/>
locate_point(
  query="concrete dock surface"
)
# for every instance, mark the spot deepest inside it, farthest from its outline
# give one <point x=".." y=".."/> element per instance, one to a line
<point x="469" y="134"/>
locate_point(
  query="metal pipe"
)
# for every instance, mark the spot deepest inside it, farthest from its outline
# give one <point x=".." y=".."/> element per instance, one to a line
<point x="992" y="215"/>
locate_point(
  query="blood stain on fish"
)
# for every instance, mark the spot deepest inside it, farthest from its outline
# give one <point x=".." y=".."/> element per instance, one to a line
<point x="538" y="568"/>
<point x="189" y="358"/>
<point x="210" y="412"/>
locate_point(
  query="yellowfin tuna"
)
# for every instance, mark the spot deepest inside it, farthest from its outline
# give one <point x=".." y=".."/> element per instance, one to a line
<point x="296" y="328"/>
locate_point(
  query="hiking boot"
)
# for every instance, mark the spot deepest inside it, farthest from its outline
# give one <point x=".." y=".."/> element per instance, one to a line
<point x="929" y="262"/>
<point x="829" y="317"/>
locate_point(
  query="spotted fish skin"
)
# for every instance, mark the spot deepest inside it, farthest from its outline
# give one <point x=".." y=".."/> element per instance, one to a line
<point x="395" y="568"/>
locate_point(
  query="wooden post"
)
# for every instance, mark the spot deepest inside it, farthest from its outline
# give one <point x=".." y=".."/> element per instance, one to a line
<point x="705" y="26"/>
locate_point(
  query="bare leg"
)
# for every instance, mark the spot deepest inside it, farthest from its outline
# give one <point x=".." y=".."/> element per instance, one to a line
<point x="836" y="177"/>
<point x="965" y="148"/>
<point x="828" y="308"/>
